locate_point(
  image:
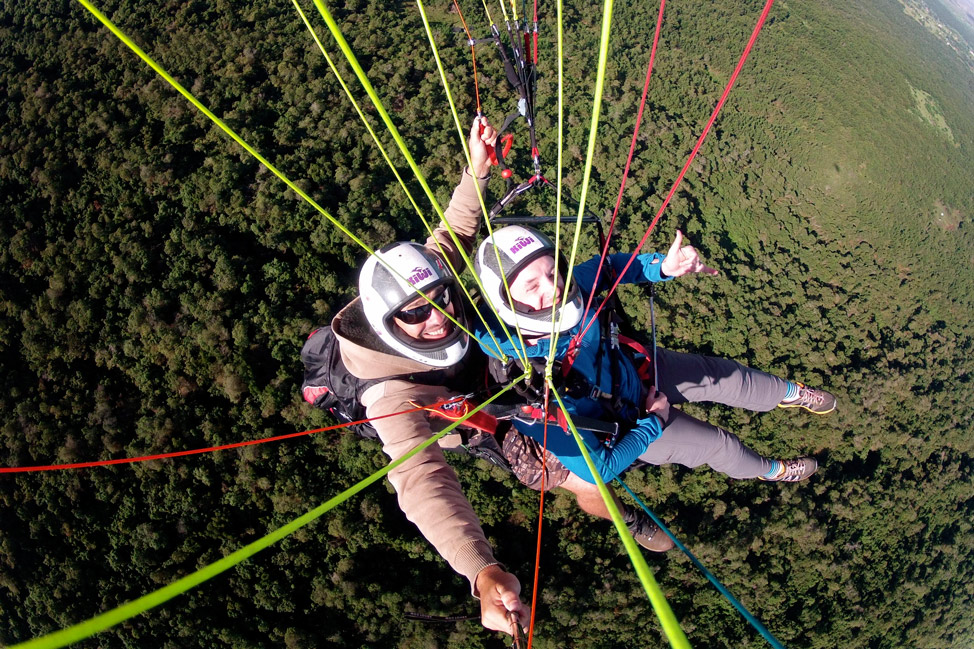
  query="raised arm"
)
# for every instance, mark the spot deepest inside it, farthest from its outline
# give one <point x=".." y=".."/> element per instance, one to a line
<point x="646" y="267"/>
<point x="464" y="211"/>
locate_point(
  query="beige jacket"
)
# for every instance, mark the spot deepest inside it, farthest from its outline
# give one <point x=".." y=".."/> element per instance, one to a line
<point x="428" y="489"/>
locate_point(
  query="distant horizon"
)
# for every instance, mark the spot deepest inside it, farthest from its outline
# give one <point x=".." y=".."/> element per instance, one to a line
<point x="966" y="10"/>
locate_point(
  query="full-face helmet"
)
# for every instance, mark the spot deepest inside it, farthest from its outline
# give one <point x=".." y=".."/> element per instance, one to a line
<point x="391" y="279"/>
<point x="518" y="246"/>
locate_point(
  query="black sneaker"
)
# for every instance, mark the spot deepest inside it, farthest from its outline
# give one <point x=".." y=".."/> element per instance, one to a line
<point x="649" y="535"/>
<point x="796" y="470"/>
<point x="818" y="402"/>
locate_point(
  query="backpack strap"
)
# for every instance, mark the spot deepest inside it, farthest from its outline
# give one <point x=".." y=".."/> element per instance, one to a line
<point x="532" y="390"/>
<point x="329" y="385"/>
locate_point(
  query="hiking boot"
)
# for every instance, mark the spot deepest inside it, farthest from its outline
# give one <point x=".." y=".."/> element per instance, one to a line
<point x="818" y="402"/>
<point x="795" y="470"/>
<point x="649" y="535"/>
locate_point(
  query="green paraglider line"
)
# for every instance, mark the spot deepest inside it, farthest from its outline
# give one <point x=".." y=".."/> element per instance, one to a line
<point x="667" y="619"/>
<point x="706" y="573"/>
<point x="353" y="61"/>
<point x="264" y="161"/>
<point x="607" y="10"/>
<point x="135" y="607"/>
<point x="519" y="350"/>
<point x="216" y="120"/>
<point x="126" y="611"/>
<point x="402" y="183"/>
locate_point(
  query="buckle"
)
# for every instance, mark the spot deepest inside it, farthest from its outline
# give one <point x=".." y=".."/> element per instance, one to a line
<point x="613" y="437"/>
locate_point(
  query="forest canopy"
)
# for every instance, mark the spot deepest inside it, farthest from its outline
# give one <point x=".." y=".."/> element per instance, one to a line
<point x="156" y="285"/>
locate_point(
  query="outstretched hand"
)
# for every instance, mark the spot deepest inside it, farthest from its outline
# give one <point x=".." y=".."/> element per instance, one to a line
<point x="482" y="135"/>
<point x="681" y="260"/>
<point x="499" y="593"/>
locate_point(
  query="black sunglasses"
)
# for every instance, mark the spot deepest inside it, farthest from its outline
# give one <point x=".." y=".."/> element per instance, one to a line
<point x="422" y="312"/>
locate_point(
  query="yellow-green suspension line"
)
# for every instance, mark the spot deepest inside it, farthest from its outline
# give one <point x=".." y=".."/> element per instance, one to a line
<point x="487" y="11"/>
<point x="558" y="185"/>
<point x="466" y="151"/>
<point x="402" y="183"/>
<point x="593" y="132"/>
<point x="236" y="138"/>
<point x="671" y="627"/>
<point x="380" y="108"/>
<point x="162" y="595"/>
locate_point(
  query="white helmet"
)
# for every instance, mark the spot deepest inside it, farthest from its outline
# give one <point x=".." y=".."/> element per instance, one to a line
<point x="392" y="278"/>
<point x="517" y="246"/>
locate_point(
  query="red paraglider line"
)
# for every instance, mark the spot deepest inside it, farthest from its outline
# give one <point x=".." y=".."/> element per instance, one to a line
<point x="535" y="61"/>
<point x="198" y="451"/>
<point x="632" y="150"/>
<point x="693" y="154"/>
<point x="473" y="55"/>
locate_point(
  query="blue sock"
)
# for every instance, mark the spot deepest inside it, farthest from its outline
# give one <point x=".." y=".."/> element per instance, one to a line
<point x="776" y="468"/>
<point x="792" y="391"/>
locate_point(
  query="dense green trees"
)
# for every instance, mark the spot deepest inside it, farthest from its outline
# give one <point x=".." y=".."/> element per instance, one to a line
<point x="156" y="285"/>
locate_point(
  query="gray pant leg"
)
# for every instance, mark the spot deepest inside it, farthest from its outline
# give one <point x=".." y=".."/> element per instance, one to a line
<point x="694" y="378"/>
<point x="691" y="442"/>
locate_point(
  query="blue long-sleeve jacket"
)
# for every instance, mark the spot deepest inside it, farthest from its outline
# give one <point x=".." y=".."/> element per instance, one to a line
<point x="610" y="462"/>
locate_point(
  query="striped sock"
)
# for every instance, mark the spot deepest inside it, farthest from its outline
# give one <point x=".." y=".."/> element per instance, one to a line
<point x="777" y="470"/>
<point x="792" y="393"/>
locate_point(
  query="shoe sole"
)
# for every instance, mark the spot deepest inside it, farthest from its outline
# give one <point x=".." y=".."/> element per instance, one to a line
<point x="814" y="412"/>
<point x="793" y="480"/>
<point x="658" y="549"/>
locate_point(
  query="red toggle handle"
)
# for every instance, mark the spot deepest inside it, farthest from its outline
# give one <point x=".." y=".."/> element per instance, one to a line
<point x="508" y="141"/>
<point x="491" y="152"/>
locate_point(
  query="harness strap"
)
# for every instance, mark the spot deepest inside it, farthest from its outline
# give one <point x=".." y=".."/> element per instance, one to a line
<point x="645" y="368"/>
<point x="532" y="415"/>
<point x="456" y="410"/>
<point x="487" y="423"/>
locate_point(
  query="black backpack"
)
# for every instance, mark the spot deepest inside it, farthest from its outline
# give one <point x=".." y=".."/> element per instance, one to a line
<point x="329" y="385"/>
